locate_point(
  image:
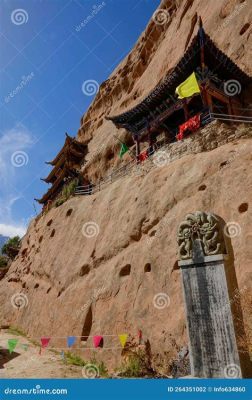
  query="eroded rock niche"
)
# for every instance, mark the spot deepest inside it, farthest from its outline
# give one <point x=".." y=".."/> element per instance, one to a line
<point x="87" y="326"/>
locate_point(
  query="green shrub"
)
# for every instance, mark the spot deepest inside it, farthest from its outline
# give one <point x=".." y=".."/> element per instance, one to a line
<point x="100" y="366"/>
<point x="16" y="331"/>
<point x="73" y="359"/>
<point x="3" y="262"/>
<point x="59" y="202"/>
<point x="102" y="369"/>
<point x="11" y="248"/>
<point x="67" y="191"/>
<point x="134" y="367"/>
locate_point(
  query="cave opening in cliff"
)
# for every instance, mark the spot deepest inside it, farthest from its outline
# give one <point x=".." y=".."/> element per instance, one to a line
<point x="87" y="325"/>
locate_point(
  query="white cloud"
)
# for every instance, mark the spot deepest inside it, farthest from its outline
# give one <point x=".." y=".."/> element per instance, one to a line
<point x="14" y="140"/>
<point x="10" y="230"/>
<point x="6" y="202"/>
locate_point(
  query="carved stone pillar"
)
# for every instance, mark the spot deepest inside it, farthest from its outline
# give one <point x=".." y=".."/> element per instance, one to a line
<point x="212" y="341"/>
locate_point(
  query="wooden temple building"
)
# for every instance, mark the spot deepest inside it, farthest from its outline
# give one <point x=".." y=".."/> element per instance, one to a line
<point x="162" y="116"/>
<point x="65" y="167"/>
<point x="161" y="113"/>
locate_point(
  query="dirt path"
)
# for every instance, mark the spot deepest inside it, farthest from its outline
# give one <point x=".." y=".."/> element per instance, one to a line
<point x="27" y="363"/>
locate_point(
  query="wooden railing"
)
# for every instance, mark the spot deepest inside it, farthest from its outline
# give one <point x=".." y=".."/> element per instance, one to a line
<point x="116" y="174"/>
<point x="231" y="118"/>
<point x="125" y="169"/>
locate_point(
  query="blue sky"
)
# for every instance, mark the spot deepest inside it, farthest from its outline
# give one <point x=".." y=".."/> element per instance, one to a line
<point x="46" y="56"/>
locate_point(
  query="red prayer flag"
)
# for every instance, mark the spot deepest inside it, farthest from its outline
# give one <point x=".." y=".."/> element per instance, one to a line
<point x="192" y="125"/>
<point x="44" y="342"/>
<point x="140" y="336"/>
<point x="180" y="136"/>
<point x="143" y="156"/>
<point x="97" y="340"/>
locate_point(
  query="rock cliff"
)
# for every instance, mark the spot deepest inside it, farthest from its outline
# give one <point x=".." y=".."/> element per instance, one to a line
<point x="107" y="263"/>
<point x="156" y="52"/>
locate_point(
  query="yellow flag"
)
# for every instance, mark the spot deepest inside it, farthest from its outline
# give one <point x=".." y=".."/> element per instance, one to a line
<point x="188" y="87"/>
<point x="123" y="339"/>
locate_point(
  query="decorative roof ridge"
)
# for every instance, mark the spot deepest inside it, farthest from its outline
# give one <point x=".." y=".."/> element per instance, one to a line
<point x="157" y="86"/>
<point x="68" y="140"/>
<point x="170" y="75"/>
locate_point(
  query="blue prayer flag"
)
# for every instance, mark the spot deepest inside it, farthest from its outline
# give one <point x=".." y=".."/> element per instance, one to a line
<point x="71" y="340"/>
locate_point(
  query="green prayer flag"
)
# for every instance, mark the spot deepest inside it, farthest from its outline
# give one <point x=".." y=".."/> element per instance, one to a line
<point x="123" y="150"/>
<point x="12" y="344"/>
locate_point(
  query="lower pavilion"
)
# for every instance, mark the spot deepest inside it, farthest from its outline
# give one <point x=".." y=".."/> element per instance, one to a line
<point x="66" y="166"/>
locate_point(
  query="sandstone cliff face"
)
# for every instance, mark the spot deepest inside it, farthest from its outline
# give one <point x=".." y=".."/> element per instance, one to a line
<point x="156" y="52"/>
<point x="80" y="284"/>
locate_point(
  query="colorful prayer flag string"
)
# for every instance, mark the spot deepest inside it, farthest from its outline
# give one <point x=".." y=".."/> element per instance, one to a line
<point x="71" y="340"/>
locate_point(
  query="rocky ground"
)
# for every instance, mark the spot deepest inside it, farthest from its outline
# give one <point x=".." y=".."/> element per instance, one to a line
<point x="30" y="364"/>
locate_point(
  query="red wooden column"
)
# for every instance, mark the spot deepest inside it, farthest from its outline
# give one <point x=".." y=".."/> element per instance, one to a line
<point x="230" y="108"/>
<point x="150" y="140"/>
<point x="209" y="101"/>
<point x="203" y="95"/>
<point x="137" y="149"/>
<point x="186" y="110"/>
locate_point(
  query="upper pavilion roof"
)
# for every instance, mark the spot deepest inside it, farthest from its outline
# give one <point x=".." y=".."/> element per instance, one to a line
<point x="215" y="60"/>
